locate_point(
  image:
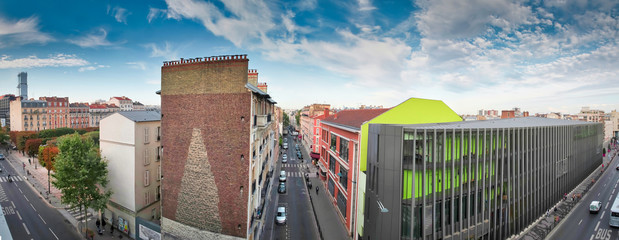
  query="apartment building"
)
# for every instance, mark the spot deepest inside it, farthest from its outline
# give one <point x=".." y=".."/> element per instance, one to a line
<point x="79" y="115"/>
<point x="57" y="111"/>
<point x="131" y="143"/>
<point x="123" y="103"/>
<point x="221" y="139"/>
<point x="591" y="115"/>
<point x="309" y="125"/>
<point x="473" y="180"/>
<point x="5" y="109"/>
<point x="29" y="115"/>
<point x="99" y="111"/>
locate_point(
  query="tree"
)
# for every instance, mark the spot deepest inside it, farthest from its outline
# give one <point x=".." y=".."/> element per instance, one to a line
<point x="81" y="174"/>
<point x="21" y="138"/>
<point x="47" y="156"/>
<point x="32" y="146"/>
<point x="298" y="118"/>
<point x="4" y="137"/>
<point x="286" y="120"/>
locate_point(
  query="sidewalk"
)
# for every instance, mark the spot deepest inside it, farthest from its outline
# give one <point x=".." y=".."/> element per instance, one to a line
<point x="329" y="224"/>
<point x="545" y="224"/>
<point x="36" y="176"/>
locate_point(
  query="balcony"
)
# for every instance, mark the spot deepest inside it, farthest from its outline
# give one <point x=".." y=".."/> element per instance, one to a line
<point x="262" y="120"/>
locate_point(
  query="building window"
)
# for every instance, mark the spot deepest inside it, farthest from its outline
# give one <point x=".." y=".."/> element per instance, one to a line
<point x="146" y="158"/>
<point x="333" y="141"/>
<point x="158" y="197"/>
<point x="158" y="149"/>
<point x="344" y="149"/>
<point x="146" y="135"/>
<point x="146" y="178"/>
<point x="146" y="197"/>
<point x="158" y="133"/>
<point x="331" y="163"/>
<point x="343" y="177"/>
<point x="159" y="173"/>
<point x="325" y="137"/>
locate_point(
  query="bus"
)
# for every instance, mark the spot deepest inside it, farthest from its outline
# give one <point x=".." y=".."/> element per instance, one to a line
<point x="614" y="213"/>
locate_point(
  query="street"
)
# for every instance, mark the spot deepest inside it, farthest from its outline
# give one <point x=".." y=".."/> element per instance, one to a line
<point x="584" y="225"/>
<point x="300" y="219"/>
<point x="27" y="215"/>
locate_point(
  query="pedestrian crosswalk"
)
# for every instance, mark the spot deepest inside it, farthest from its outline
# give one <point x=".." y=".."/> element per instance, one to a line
<point x="77" y="214"/>
<point x="15" y="178"/>
<point x="299" y="165"/>
<point x="3" y="197"/>
<point x="299" y="174"/>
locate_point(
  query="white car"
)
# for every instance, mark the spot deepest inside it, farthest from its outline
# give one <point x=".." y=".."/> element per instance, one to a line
<point x="284" y="158"/>
<point x="595" y="206"/>
<point x="282" y="176"/>
<point x="280" y="218"/>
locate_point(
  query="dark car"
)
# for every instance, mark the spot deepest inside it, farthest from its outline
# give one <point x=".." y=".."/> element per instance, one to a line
<point x="281" y="188"/>
<point x="2" y="157"/>
<point x="617" y="167"/>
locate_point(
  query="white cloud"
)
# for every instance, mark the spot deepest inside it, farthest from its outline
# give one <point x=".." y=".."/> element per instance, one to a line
<point x="91" y="68"/>
<point x="155" y="13"/>
<point x="22" y="32"/>
<point x="120" y="14"/>
<point x="154" y="82"/>
<point x="365" y="5"/>
<point x="137" y="65"/>
<point x="166" y="52"/>
<point x="243" y="20"/>
<point x="59" y="60"/>
<point x="92" y="40"/>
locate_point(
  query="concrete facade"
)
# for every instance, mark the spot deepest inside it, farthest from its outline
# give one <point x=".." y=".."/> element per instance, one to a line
<point x="28" y="115"/>
<point x="483" y="179"/>
<point x="220" y="143"/>
<point x="130" y="142"/>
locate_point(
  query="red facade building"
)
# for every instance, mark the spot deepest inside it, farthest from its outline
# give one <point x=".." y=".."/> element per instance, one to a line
<point x="57" y="111"/>
<point x="339" y="158"/>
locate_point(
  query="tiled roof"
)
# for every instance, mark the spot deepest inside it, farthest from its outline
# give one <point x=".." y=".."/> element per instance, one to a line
<point x="354" y="118"/>
<point x="97" y="106"/>
<point x="122" y="98"/>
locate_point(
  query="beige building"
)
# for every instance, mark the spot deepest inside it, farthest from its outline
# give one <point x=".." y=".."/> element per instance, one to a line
<point x="131" y="143"/>
<point x="124" y="103"/>
<point x="591" y="115"/>
<point x="28" y="115"/>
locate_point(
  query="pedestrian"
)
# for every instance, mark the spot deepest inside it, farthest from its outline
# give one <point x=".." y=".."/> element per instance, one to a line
<point x="316" y="189"/>
<point x="112" y="226"/>
<point x="29" y="162"/>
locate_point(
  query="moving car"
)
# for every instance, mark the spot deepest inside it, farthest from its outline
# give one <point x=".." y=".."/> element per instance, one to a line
<point x="281" y="188"/>
<point x="285" y="145"/>
<point x="595" y="206"/>
<point x="282" y="176"/>
<point x="299" y="155"/>
<point x="280" y="218"/>
<point x="284" y="158"/>
<point x="2" y="157"/>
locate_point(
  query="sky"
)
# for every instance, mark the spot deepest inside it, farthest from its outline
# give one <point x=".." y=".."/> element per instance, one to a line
<point x="540" y="56"/>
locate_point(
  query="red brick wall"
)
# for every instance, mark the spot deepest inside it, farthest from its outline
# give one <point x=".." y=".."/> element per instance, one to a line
<point x="224" y="119"/>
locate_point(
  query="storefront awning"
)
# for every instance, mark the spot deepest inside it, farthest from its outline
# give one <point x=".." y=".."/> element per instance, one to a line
<point x="314" y="155"/>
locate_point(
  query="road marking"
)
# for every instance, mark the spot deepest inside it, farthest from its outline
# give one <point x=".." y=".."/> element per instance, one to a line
<point x="606" y="205"/>
<point x="19" y="215"/>
<point x="20" y="190"/>
<point x="26" y="228"/>
<point x="33" y="207"/>
<point x="596" y="227"/>
<point x="602" y="215"/>
<point x="13" y="204"/>
<point x="53" y="233"/>
<point x="613" y="191"/>
<point x="42" y="219"/>
<point x="580" y="222"/>
<point x="591" y="238"/>
<point x="26" y="198"/>
<point x="611" y="196"/>
<point x="598" y="194"/>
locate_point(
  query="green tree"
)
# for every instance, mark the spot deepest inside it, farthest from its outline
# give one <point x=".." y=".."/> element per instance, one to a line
<point x="4" y="137"/>
<point x="286" y="120"/>
<point x="81" y="174"/>
<point x="298" y="118"/>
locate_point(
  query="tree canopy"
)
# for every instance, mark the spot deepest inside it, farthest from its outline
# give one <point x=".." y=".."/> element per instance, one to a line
<point x="81" y="174"/>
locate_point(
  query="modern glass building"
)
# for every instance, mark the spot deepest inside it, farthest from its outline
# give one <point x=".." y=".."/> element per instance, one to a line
<point x="473" y="180"/>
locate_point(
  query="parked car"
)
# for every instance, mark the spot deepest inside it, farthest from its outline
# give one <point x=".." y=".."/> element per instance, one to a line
<point x="299" y="155"/>
<point x="2" y="157"/>
<point x="281" y="188"/>
<point x="296" y="146"/>
<point x="285" y="145"/>
<point x="617" y="167"/>
<point x="282" y="176"/>
<point x="280" y="218"/>
<point x="284" y="158"/>
<point x="595" y="206"/>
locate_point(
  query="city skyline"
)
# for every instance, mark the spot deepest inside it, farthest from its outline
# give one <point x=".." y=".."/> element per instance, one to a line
<point x="555" y="56"/>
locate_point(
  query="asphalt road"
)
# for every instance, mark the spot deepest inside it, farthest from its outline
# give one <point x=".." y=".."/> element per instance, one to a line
<point x="300" y="220"/>
<point x="27" y="215"/>
<point x="584" y="225"/>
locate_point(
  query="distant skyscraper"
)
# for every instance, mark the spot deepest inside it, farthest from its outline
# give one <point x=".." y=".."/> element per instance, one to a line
<point x="22" y="85"/>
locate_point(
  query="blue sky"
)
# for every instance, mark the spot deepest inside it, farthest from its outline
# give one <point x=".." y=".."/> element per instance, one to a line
<point x="541" y="56"/>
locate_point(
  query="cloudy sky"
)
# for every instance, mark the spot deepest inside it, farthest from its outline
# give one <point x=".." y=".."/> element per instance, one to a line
<point x="541" y="56"/>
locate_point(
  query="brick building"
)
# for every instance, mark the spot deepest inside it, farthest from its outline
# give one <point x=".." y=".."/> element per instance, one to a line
<point x="220" y="139"/>
<point x="57" y="111"/>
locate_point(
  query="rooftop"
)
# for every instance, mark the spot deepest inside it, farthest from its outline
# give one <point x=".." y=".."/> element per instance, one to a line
<point x="142" y="116"/>
<point x="353" y="118"/>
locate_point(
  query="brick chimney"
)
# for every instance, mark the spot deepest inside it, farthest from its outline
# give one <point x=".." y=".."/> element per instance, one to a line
<point x="326" y="112"/>
<point x="262" y="86"/>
